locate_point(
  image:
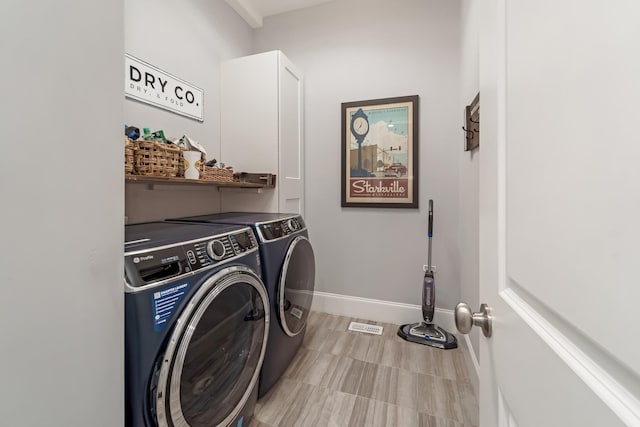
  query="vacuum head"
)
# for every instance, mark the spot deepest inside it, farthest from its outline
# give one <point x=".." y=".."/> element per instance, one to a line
<point x="428" y="334"/>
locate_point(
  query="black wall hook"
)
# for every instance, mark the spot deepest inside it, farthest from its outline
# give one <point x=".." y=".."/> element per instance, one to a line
<point x="472" y="124"/>
<point x="468" y="132"/>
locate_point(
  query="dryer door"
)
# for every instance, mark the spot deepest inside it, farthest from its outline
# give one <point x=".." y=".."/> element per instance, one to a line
<point x="295" y="289"/>
<point x="215" y="353"/>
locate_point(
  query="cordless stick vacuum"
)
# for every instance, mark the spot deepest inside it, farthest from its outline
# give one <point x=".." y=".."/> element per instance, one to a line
<point x="428" y="333"/>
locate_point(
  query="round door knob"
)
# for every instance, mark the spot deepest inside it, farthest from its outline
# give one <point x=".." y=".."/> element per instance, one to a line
<point x="466" y="319"/>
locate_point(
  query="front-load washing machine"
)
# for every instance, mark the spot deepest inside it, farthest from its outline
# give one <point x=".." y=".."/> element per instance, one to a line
<point x="196" y="324"/>
<point x="288" y="270"/>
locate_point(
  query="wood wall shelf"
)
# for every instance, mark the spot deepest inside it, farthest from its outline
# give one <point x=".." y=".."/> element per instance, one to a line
<point x="182" y="181"/>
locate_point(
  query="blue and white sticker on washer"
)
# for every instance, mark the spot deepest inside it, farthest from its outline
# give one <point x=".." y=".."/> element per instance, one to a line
<point x="164" y="302"/>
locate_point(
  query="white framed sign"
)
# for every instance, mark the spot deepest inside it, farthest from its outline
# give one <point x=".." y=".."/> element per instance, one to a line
<point x="151" y="85"/>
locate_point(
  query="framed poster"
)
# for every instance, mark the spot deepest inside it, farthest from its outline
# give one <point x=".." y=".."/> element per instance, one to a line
<point x="380" y="153"/>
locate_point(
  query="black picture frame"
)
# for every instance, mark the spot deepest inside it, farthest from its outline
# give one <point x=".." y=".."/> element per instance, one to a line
<point x="380" y="153"/>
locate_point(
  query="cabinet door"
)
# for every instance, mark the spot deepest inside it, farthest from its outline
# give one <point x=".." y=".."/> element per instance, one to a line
<point x="291" y="146"/>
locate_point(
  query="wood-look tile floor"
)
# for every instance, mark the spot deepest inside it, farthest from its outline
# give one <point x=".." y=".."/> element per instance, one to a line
<point x="345" y="378"/>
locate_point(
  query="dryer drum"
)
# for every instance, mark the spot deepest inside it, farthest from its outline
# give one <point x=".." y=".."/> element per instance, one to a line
<point x="213" y="357"/>
<point x="295" y="288"/>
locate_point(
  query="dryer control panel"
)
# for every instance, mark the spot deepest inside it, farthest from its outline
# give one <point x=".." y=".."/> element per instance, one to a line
<point x="280" y="228"/>
<point x="157" y="265"/>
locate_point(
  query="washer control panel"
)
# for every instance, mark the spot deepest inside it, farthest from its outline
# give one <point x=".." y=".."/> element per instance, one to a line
<point x="220" y="248"/>
<point x="157" y="265"/>
<point x="281" y="228"/>
<point x="243" y="241"/>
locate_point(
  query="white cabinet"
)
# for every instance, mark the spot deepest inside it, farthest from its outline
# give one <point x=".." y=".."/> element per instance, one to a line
<point x="262" y="130"/>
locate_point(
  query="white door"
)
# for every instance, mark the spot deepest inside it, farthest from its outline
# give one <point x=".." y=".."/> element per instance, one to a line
<point x="560" y="212"/>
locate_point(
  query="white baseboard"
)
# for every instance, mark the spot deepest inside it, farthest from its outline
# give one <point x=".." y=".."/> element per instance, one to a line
<point x="378" y="310"/>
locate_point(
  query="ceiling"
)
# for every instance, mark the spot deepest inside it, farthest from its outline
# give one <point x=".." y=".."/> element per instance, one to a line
<point x="253" y="11"/>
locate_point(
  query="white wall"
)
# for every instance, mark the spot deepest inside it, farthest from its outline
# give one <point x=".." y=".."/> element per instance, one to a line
<point x="468" y="166"/>
<point x="188" y="39"/>
<point x="366" y="49"/>
<point x="62" y="193"/>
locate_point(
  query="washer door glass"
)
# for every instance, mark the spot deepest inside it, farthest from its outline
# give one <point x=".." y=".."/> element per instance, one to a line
<point x="214" y="357"/>
<point x="295" y="290"/>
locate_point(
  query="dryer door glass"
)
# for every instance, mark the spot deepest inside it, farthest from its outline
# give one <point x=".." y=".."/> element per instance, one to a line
<point x="295" y="290"/>
<point x="217" y="359"/>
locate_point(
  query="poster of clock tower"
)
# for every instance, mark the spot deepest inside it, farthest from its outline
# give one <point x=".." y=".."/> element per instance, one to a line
<point x="380" y="153"/>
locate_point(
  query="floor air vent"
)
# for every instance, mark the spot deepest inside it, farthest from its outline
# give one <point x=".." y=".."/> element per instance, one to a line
<point x="363" y="327"/>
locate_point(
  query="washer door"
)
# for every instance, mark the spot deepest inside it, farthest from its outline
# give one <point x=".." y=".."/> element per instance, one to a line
<point x="295" y="290"/>
<point x="215" y="352"/>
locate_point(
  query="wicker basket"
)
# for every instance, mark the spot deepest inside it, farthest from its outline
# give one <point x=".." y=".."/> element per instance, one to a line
<point x="129" y="147"/>
<point x="157" y="159"/>
<point x="217" y="174"/>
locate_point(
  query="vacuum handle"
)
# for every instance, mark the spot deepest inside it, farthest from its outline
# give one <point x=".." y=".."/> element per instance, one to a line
<point x="428" y="297"/>
<point x="430" y="218"/>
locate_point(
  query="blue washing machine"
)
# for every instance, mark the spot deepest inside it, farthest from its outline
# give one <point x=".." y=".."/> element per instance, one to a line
<point x="196" y="324"/>
<point x="288" y="270"/>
